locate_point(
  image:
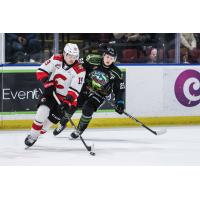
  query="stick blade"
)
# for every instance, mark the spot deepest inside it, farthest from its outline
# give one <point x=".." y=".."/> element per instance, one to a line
<point x="92" y="152"/>
<point x="161" y="132"/>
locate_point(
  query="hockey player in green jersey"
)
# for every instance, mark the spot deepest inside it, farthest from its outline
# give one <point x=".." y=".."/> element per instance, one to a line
<point x="103" y="77"/>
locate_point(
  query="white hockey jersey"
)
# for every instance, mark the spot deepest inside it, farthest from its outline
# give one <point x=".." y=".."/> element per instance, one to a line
<point x="66" y="81"/>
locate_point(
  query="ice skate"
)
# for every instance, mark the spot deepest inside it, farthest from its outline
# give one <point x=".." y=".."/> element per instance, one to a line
<point x="59" y="129"/>
<point x="75" y="134"/>
<point x="30" y="141"/>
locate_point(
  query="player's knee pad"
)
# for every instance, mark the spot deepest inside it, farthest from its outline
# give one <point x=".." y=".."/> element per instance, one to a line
<point x="42" y="113"/>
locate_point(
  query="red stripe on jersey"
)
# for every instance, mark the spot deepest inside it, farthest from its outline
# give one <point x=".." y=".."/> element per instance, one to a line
<point x="78" y="68"/>
<point x="48" y="84"/>
<point x="36" y="127"/>
<point x="58" y="57"/>
<point x="40" y="75"/>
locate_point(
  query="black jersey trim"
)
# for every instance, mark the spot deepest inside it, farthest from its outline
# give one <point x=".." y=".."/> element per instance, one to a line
<point x="74" y="90"/>
<point x="43" y="70"/>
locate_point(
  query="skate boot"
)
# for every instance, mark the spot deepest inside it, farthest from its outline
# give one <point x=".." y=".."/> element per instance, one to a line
<point x="75" y="134"/>
<point x="59" y="129"/>
<point x="30" y="140"/>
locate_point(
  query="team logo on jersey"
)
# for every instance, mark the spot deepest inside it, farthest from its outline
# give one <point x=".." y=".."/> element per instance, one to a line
<point x="58" y="66"/>
<point x="99" y="77"/>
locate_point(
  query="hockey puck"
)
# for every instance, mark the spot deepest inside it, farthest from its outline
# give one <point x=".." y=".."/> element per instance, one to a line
<point x="92" y="153"/>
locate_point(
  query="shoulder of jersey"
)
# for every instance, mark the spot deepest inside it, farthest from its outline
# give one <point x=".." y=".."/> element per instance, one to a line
<point x="78" y="68"/>
<point x="115" y="68"/>
<point x="58" y="57"/>
<point x="117" y="71"/>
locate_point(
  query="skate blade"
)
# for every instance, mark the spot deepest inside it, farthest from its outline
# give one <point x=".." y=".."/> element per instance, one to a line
<point x="26" y="148"/>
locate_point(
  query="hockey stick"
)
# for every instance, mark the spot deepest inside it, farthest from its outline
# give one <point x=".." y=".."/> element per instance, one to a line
<point x="159" y="132"/>
<point x="89" y="148"/>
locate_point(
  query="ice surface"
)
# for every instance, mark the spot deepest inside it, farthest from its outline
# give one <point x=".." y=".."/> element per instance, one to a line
<point x="117" y="146"/>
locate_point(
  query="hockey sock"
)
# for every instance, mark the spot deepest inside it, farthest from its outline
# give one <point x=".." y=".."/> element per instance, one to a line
<point x="35" y="130"/>
<point x="41" y="116"/>
<point x="46" y="125"/>
<point x="84" y="122"/>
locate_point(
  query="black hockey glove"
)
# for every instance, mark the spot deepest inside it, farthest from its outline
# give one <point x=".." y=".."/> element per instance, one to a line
<point x="49" y="88"/>
<point x="65" y="108"/>
<point x="119" y="107"/>
<point x="62" y="108"/>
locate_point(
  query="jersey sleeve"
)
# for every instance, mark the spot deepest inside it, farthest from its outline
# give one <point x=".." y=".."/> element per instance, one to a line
<point x="119" y="86"/>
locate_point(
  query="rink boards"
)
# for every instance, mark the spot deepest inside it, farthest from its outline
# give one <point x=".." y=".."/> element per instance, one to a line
<point x="156" y="94"/>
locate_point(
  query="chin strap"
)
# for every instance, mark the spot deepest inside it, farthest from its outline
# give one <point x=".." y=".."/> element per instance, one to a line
<point x="65" y="66"/>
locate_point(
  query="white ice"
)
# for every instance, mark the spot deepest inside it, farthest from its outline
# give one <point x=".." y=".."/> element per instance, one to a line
<point x="117" y="146"/>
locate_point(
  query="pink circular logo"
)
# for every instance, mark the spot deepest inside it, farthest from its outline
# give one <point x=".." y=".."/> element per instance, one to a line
<point x="187" y="88"/>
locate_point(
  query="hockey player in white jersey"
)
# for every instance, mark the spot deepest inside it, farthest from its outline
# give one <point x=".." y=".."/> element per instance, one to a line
<point x="64" y="75"/>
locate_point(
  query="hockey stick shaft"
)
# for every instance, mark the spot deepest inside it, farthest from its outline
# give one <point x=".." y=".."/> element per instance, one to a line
<point x="133" y="118"/>
<point x="127" y="114"/>
<point x="140" y="123"/>
<point x="89" y="148"/>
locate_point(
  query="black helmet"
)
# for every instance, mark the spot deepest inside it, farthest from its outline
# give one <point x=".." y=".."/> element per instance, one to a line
<point x="110" y="51"/>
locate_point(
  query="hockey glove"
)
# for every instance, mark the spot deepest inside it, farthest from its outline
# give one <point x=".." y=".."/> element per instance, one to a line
<point x="65" y="108"/>
<point x="62" y="108"/>
<point x="49" y="88"/>
<point x="119" y="107"/>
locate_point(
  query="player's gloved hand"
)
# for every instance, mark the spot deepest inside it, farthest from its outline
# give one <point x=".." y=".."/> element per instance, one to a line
<point x="119" y="107"/>
<point x="49" y="88"/>
<point x="62" y="108"/>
